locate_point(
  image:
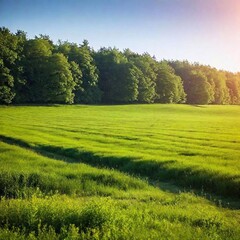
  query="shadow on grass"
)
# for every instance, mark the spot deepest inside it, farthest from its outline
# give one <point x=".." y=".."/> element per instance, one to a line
<point x="202" y="183"/>
<point x="197" y="105"/>
<point x="36" y="105"/>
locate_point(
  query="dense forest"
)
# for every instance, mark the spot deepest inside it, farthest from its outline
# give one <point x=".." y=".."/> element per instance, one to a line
<point x="39" y="71"/>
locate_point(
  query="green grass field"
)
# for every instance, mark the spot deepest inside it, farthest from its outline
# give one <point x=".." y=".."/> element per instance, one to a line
<point x="120" y="172"/>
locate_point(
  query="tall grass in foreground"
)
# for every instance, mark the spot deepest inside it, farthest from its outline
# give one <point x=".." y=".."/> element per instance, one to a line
<point x="103" y="218"/>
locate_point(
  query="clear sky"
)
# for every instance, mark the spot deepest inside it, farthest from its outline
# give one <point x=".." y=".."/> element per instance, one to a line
<point x="205" y="31"/>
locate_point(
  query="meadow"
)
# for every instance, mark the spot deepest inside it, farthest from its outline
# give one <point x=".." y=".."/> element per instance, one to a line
<point x="120" y="172"/>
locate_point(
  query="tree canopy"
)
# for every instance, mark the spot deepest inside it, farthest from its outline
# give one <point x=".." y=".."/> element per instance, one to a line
<point x="39" y="71"/>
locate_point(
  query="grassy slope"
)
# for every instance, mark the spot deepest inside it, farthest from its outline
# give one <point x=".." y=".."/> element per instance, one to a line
<point x="197" y="146"/>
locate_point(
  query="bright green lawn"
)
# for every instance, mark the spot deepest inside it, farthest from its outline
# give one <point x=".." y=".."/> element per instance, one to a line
<point x="115" y="172"/>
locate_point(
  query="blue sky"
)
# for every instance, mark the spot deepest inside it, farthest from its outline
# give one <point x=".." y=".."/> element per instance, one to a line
<point x="205" y="31"/>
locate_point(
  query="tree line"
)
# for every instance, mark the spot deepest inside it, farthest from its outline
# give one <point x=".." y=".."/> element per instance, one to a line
<point x="39" y="71"/>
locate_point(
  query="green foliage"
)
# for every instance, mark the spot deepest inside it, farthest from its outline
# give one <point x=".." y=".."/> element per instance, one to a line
<point x="8" y="57"/>
<point x="8" y="47"/>
<point x="35" y="62"/>
<point x="48" y="76"/>
<point x="124" y="88"/>
<point x="29" y="66"/>
<point x="118" y="78"/>
<point x="91" y="93"/>
<point x="59" y="83"/>
<point x="147" y="67"/>
<point x="195" y="83"/>
<point x="198" y="88"/>
<point x="87" y="90"/>
<point x="77" y="75"/>
<point x="6" y="85"/>
<point x="221" y="92"/>
<point x="233" y="84"/>
<point x="169" y="87"/>
<point x="217" y="87"/>
<point x="35" y="49"/>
